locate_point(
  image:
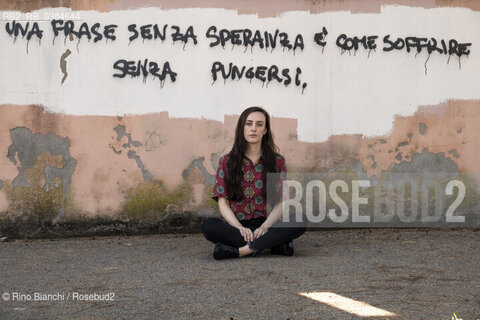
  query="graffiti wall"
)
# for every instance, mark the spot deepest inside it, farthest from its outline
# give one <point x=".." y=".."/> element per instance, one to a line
<point x="123" y="109"/>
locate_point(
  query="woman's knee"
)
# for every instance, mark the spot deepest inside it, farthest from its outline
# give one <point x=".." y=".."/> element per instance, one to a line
<point x="300" y="230"/>
<point x="297" y="231"/>
<point x="208" y="227"/>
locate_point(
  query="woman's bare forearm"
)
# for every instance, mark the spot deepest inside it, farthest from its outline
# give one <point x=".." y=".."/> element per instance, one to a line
<point x="227" y="213"/>
<point x="274" y="216"/>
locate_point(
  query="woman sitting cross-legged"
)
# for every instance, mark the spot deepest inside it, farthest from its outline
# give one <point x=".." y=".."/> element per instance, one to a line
<point x="250" y="223"/>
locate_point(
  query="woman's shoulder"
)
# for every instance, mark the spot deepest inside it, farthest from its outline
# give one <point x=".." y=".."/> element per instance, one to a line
<point x="224" y="158"/>
<point x="280" y="162"/>
<point x="279" y="157"/>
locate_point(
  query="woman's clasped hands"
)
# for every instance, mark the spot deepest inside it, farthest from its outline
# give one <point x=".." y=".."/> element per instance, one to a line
<point x="249" y="235"/>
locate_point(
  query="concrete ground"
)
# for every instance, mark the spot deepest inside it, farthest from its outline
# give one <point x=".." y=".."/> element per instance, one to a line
<point x="413" y="274"/>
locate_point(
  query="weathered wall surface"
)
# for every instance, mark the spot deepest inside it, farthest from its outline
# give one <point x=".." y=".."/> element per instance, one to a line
<point x="78" y="144"/>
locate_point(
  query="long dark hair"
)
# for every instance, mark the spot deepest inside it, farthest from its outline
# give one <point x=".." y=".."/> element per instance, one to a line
<point x="234" y="163"/>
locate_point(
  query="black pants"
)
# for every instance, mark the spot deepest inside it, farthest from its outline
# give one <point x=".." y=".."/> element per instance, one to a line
<point x="217" y="230"/>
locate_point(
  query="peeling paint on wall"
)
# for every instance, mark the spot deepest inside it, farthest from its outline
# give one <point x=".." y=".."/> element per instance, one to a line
<point x="121" y="132"/>
<point x="198" y="163"/>
<point x="349" y="119"/>
<point x="402" y="144"/>
<point x="27" y="146"/>
<point x="131" y="154"/>
<point x="425" y="163"/>
<point x="147" y="176"/>
<point x="422" y="128"/>
<point x="454" y="153"/>
<point x="103" y="178"/>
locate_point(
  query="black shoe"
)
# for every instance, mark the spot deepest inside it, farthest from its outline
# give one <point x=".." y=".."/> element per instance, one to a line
<point x="222" y="251"/>
<point x="285" y="249"/>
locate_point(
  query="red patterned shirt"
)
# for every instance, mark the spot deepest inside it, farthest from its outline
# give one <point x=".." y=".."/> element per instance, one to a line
<point x="254" y="204"/>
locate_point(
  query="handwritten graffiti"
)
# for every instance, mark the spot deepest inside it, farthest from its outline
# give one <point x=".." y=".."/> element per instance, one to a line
<point x="348" y="43"/>
<point x="261" y="73"/>
<point x="16" y="29"/>
<point x="144" y="68"/>
<point x="320" y="38"/>
<point x="244" y="38"/>
<point x="149" y="32"/>
<point x="247" y="37"/>
<point x="68" y="28"/>
<point x="431" y="45"/>
<point x="408" y="44"/>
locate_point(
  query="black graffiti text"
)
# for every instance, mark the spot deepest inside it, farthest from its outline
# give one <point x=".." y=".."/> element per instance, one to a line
<point x="449" y="47"/>
<point x="261" y="73"/>
<point x="149" y="32"/>
<point x="347" y="43"/>
<point x="320" y="37"/>
<point x="247" y="37"/>
<point x="68" y="28"/>
<point x="16" y="29"/>
<point x="144" y="68"/>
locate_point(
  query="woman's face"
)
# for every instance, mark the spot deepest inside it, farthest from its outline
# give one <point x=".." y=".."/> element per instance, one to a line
<point x="255" y="127"/>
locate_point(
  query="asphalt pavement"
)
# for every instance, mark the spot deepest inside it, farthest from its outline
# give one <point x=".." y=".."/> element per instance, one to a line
<point x="334" y="274"/>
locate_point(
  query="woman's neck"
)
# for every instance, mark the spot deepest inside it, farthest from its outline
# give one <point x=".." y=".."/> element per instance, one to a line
<point x="254" y="151"/>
